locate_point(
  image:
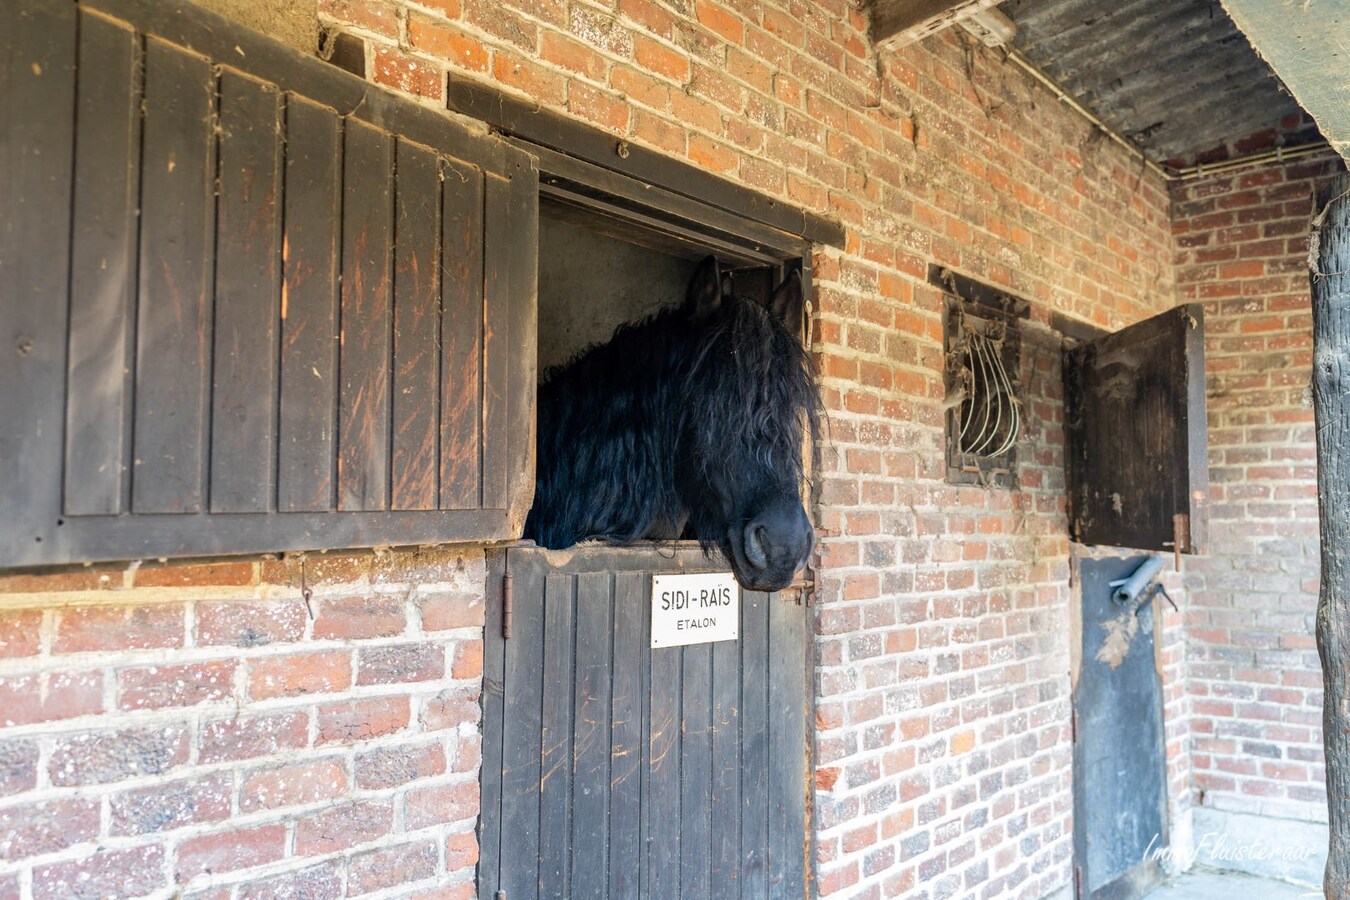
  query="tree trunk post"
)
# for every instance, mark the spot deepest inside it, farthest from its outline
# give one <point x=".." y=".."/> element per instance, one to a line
<point x="1329" y="258"/>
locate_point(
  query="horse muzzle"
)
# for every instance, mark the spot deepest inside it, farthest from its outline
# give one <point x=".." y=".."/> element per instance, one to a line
<point x="770" y="549"/>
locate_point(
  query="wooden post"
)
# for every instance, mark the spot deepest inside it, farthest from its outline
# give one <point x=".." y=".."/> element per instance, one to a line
<point x="1330" y="261"/>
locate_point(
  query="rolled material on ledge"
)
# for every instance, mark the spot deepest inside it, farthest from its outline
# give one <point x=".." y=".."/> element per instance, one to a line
<point x="1136" y="583"/>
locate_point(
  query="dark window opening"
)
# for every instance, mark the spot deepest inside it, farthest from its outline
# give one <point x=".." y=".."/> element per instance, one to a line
<point x="598" y="271"/>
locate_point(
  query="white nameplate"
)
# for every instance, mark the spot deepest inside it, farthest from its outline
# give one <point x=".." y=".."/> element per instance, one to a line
<point x="695" y="609"/>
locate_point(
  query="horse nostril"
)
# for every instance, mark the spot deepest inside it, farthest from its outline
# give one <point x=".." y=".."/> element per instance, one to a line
<point x="754" y="547"/>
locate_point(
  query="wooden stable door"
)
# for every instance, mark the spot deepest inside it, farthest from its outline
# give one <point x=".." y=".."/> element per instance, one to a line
<point x="614" y="770"/>
<point x="1119" y="756"/>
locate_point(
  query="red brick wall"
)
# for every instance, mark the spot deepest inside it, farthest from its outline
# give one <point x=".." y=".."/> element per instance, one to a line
<point x="1253" y="672"/>
<point x="203" y="728"/>
<point x="943" y="730"/>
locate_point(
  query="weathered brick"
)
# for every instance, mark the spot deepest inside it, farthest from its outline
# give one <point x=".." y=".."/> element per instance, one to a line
<point x="451" y="708"/>
<point x="107" y="873"/>
<point x="362" y="720"/>
<point x="442" y="804"/>
<point x="390" y="867"/>
<point x="395" y="766"/>
<point x="343" y="827"/>
<point x="18" y="766"/>
<point x="293" y="785"/>
<point x="253" y="736"/>
<point x="166" y="806"/>
<point x="29" y="699"/>
<point x="461" y="851"/>
<point x="408" y="74"/>
<point x="443" y="611"/>
<point x="111" y="628"/>
<point x="155" y="687"/>
<point x="83" y="580"/>
<point x="319" y="672"/>
<point x="179" y="575"/>
<point x="321" y="882"/>
<point x="20" y="632"/>
<point x="355" y="618"/>
<point x="101" y="757"/>
<point x="468" y="660"/>
<point x="34" y="829"/>
<point x="250" y="623"/>
<point x="229" y="851"/>
<point x="404" y="663"/>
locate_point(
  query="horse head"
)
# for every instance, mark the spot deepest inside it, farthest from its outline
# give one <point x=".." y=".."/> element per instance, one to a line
<point x="748" y="404"/>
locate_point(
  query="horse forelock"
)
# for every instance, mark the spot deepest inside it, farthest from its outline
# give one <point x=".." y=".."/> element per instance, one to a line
<point x="750" y="393"/>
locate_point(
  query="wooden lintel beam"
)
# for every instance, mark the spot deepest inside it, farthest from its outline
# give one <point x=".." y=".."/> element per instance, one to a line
<point x="896" y="23"/>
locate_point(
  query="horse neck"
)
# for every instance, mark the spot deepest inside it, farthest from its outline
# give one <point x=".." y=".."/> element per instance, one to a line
<point x="593" y="406"/>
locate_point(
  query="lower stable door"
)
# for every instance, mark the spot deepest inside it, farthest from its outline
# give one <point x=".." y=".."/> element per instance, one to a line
<point x="615" y="769"/>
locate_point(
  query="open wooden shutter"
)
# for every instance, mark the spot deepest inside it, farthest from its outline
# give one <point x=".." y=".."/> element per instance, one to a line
<point x="1135" y="432"/>
<point x="249" y="302"/>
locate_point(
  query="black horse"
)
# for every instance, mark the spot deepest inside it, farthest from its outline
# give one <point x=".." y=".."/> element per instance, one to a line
<point x="689" y="423"/>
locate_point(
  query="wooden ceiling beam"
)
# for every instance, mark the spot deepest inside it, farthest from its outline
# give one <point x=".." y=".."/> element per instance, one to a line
<point x="896" y="23"/>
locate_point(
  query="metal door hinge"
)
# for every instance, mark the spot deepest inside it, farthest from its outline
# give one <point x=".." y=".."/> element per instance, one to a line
<point x="1181" y="537"/>
<point x="1073" y="725"/>
<point x="1077" y="883"/>
<point x="506" y="619"/>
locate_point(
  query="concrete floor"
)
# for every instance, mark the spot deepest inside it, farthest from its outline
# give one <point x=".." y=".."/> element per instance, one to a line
<point x="1208" y="884"/>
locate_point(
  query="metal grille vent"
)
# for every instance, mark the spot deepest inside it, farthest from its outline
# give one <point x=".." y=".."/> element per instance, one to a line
<point x="983" y="344"/>
<point x="989" y="419"/>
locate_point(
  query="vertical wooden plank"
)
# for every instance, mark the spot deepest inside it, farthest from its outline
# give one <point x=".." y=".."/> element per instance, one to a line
<point x="417" y="323"/>
<point x="522" y="720"/>
<point x="173" y="326"/>
<point x="37" y="114"/>
<point x="367" y="229"/>
<point x="555" y="779"/>
<point x="754" y="745"/>
<point x="497" y="277"/>
<point x="248" y="288"/>
<point x="626" y="736"/>
<point x="663" y="775"/>
<point x="522" y="355"/>
<point x="726" y="770"/>
<point x="696" y="772"/>
<point x="591" y="741"/>
<point x="309" y="309"/>
<point x="787" y="748"/>
<point x="494" y="677"/>
<point x="461" y="336"/>
<point x="103" y="267"/>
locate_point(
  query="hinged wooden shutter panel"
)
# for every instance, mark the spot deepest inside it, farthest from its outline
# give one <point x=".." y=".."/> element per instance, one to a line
<point x="274" y="308"/>
<point x="1135" y="434"/>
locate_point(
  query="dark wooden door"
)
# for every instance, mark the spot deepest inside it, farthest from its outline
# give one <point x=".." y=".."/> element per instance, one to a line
<point x="251" y="303"/>
<point x="1119" y="761"/>
<point x="1134" y="421"/>
<point x="614" y="770"/>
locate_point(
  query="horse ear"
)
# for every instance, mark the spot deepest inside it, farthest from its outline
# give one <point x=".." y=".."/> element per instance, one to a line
<point x="705" y="289"/>
<point x="788" y="302"/>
